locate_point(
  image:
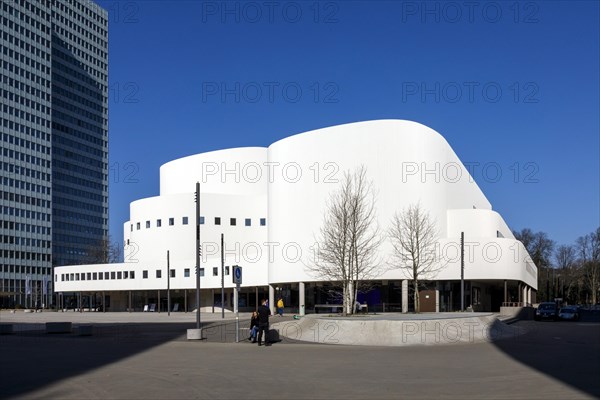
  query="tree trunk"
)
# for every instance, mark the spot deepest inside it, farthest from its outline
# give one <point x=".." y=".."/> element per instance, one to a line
<point x="416" y="295"/>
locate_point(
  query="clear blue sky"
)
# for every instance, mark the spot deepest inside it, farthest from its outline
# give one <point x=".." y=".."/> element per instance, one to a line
<point x="513" y="85"/>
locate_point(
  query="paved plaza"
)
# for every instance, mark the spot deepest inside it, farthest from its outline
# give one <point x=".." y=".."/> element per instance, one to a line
<point x="553" y="360"/>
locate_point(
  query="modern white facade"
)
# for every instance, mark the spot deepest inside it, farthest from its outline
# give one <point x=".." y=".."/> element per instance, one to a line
<point x="269" y="205"/>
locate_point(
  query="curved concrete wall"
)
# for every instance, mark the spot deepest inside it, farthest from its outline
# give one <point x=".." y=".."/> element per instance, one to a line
<point x="286" y="187"/>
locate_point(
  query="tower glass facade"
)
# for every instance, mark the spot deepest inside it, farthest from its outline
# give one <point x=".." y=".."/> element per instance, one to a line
<point x="54" y="141"/>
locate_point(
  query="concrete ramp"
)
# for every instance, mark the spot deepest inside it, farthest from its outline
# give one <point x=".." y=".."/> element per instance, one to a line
<point x="393" y="330"/>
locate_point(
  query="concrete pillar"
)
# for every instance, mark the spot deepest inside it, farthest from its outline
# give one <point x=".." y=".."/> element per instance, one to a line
<point x="528" y="295"/>
<point x="405" y="296"/>
<point x="525" y="290"/>
<point x="272" y="299"/>
<point x="437" y="297"/>
<point x="302" y="305"/>
<point x="505" y="291"/>
<point x="256" y="297"/>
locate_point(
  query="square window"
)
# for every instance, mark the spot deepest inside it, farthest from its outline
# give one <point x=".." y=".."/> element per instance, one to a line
<point x="201" y="271"/>
<point x="145" y="274"/>
<point x="172" y="273"/>
<point x="171" y="221"/>
<point x="184" y="220"/>
<point x="217" y="220"/>
<point x="62" y="277"/>
<point x="89" y="276"/>
<point x="137" y="226"/>
<point x="112" y="275"/>
<point x="226" y="270"/>
<point x="158" y="273"/>
<point x="106" y="276"/>
<point x="125" y="274"/>
<point x="215" y="271"/>
<point x="131" y="227"/>
<point x="83" y="277"/>
<point x="77" y="276"/>
<point x="248" y="222"/>
<point x="186" y="273"/>
<point x="158" y="223"/>
<point x="95" y="276"/>
<point x="201" y="220"/>
<point x="232" y="221"/>
<point x="100" y="276"/>
<point x="132" y="274"/>
<point x="147" y="224"/>
<point x="263" y="221"/>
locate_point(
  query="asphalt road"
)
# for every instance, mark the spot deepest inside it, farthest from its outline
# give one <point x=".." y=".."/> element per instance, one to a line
<point x="554" y="360"/>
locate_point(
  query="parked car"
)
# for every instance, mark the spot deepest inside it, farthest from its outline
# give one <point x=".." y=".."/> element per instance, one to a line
<point x="570" y="313"/>
<point x="547" y="310"/>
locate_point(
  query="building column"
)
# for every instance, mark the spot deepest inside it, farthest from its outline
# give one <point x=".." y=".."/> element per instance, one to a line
<point x="272" y="299"/>
<point x="405" y="296"/>
<point x="525" y="289"/>
<point x="256" y="297"/>
<point x="437" y="297"/>
<point x="158" y="305"/>
<point x="129" y="301"/>
<point x="505" y="291"/>
<point x="302" y="305"/>
<point x="184" y="300"/>
<point x="529" y="296"/>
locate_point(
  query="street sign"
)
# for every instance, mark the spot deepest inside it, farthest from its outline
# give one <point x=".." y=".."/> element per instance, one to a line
<point x="237" y="274"/>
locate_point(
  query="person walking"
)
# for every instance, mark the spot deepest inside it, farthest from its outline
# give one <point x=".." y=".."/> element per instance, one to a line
<point x="280" y="307"/>
<point x="263" y="322"/>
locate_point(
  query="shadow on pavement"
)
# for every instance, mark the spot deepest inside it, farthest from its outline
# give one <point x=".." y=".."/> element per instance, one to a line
<point x="32" y="359"/>
<point x="568" y="351"/>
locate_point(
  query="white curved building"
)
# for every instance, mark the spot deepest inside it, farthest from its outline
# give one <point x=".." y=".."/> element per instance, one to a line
<point x="269" y="205"/>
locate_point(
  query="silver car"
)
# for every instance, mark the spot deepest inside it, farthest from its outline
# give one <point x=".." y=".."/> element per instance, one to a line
<point x="568" y="313"/>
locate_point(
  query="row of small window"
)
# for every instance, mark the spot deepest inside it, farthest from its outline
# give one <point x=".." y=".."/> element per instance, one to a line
<point x="15" y="126"/>
<point x="22" y="269"/>
<point x="21" y="241"/>
<point x="23" y="171"/>
<point x="22" y="199"/>
<point x="10" y="67"/>
<point x="99" y="276"/>
<point x="32" y="228"/>
<point x="87" y="31"/>
<point x="79" y="193"/>
<point x="100" y="140"/>
<point x="30" y="34"/>
<point x="185" y="221"/>
<point x="61" y="116"/>
<point x="23" y="59"/>
<point x="27" y="158"/>
<point x="26" y="87"/>
<point x="19" y="141"/>
<point x="95" y="276"/>
<point x="25" y="255"/>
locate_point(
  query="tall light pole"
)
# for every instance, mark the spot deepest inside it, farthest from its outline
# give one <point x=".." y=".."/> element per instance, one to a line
<point x="462" y="271"/>
<point x="198" y="253"/>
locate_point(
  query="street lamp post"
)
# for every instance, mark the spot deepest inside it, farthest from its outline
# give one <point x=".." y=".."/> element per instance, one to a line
<point x="196" y="334"/>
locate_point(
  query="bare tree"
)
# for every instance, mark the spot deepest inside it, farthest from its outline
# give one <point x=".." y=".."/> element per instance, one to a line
<point x="349" y="238"/>
<point x="105" y="251"/>
<point x="588" y="247"/>
<point x="414" y="236"/>
<point x="540" y="247"/>
<point x="566" y="262"/>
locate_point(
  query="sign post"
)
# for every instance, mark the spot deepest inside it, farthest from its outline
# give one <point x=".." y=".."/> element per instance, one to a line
<point x="237" y="279"/>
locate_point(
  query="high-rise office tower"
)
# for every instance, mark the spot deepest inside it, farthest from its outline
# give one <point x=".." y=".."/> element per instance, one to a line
<point x="54" y="138"/>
